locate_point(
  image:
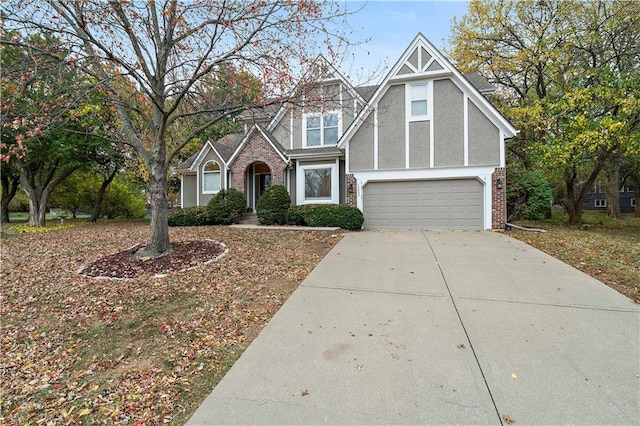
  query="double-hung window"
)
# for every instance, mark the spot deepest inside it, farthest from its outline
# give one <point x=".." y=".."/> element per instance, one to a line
<point x="418" y="98"/>
<point x="322" y="130"/>
<point x="211" y="178"/>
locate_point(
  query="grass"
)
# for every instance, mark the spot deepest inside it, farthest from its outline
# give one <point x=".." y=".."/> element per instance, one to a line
<point x="140" y="351"/>
<point x="607" y="249"/>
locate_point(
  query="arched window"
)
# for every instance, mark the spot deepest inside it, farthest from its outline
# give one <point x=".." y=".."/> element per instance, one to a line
<point x="211" y="177"/>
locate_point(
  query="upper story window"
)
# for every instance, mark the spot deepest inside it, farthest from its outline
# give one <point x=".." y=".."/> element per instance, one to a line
<point x="211" y="178"/>
<point x="321" y="130"/>
<point x="418" y="101"/>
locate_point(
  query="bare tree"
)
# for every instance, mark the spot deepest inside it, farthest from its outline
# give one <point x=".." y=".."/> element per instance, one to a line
<point x="150" y="59"/>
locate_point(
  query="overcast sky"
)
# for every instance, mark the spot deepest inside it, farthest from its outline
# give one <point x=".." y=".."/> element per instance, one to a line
<point x="391" y="26"/>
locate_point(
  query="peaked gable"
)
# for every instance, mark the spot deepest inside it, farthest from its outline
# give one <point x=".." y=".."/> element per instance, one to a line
<point x="422" y="60"/>
<point x="320" y="72"/>
<point x="208" y="146"/>
<point x="267" y="137"/>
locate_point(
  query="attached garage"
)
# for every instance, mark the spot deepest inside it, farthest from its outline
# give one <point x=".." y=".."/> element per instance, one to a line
<point x="424" y="204"/>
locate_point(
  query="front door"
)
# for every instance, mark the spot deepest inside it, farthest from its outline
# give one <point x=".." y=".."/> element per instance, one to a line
<point x="261" y="180"/>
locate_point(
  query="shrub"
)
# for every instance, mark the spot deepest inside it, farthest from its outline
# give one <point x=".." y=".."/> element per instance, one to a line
<point x="341" y="215"/>
<point x="190" y="216"/>
<point x="528" y="196"/>
<point x="122" y="200"/>
<point x="226" y="206"/>
<point x="273" y="205"/>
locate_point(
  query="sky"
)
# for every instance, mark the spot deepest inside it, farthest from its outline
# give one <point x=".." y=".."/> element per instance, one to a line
<point x="391" y="26"/>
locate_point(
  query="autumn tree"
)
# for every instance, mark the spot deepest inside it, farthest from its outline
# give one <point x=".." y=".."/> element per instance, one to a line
<point x="166" y="49"/>
<point x="567" y="73"/>
<point x="46" y="133"/>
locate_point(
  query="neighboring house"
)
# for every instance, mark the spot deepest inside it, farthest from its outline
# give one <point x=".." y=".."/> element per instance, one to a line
<point x="423" y="150"/>
<point x="597" y="199"/>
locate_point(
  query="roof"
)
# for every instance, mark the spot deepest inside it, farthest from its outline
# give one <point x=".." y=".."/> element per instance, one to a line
<point x="227" y="144"/>
<point x="332" y="151"/>
<point x="480" y="83"/>
<point x="186" y="164"/>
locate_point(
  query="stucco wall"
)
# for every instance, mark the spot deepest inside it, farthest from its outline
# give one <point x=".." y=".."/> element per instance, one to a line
<point x="189" y="190"/>
<point x="361" y="146"/>
<point x="419" y="144"/>
<point x="484" y="139"/>
<point x="391" y="129"/>
<point x="282" y="132"/>
<point x="448" y="124"/>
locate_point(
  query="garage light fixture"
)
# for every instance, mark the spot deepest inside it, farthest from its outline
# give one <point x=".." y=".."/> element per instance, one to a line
<point x="498" y="183"/>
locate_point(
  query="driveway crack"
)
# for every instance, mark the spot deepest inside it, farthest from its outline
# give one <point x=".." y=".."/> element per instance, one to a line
<point x="464" y="328"/>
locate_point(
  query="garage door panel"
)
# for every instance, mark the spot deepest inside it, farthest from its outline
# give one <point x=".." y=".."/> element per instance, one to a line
<point x="426" y="204"/>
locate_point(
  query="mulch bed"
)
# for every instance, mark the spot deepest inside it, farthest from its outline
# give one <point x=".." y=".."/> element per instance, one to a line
<point x="126" y="264"/>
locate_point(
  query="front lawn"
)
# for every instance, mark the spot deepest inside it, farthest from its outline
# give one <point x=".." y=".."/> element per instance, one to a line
<point x="606" y="249"/>
<point x="140" y="351"/>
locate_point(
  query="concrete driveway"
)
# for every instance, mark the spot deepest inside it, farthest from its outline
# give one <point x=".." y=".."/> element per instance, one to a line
<point x="439" y="328"/>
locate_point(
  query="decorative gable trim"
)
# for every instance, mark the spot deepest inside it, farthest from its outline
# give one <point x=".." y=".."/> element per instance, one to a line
<point x="424" y="56"/>
<point x="266" y="136"/>
<point x="202" y="154"/>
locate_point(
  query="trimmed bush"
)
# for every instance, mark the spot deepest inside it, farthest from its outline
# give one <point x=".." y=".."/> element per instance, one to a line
<point x="190" y="216"/>
<point x="226" y="207"/>
<point x="315" y="215"/>
<point x="273" y="205"/>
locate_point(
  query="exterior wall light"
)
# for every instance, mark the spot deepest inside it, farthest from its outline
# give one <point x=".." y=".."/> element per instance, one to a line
<point x="498" y="183"/>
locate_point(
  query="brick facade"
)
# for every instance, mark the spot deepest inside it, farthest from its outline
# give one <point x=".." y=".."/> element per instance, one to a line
<point x="256" y="148"/>
<point x="499" y="199"/>
<point x="351" y="191"/>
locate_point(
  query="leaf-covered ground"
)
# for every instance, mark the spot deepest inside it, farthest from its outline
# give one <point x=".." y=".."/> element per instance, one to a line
<point x="609" y="253"/>
<point x="139" y="351"/>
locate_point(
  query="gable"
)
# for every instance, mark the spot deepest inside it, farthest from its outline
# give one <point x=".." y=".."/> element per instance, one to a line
<point x="426" y="115"/>
<point x="418" y="61"/>
<point x="421" y="61"/>
<point x="323" y="90"/>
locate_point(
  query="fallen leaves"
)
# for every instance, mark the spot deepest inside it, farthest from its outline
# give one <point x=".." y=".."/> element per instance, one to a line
<point x="609" y="254"/>
<point x="143" y="350"/>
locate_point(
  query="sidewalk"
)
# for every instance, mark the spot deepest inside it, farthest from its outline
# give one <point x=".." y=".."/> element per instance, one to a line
<point x="439" y="328"/>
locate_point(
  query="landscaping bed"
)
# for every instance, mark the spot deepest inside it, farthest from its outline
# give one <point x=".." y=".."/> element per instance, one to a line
<point x="145" y="350"/>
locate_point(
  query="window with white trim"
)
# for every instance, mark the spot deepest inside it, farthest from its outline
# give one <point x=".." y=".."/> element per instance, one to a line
<point x="633" y="202"/>
<point x="321" y="129"/>
<point x="211" y="182"/>
<point x="317" y="183"/>
<point x="600" y="202"/>
<point x="419" y="103"/>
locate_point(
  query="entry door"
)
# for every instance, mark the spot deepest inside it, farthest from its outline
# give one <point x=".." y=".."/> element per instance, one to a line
<point x="263" y="181"/>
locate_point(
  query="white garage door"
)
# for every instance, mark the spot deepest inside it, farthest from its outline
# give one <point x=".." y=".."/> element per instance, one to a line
<point x="424" y="204"/>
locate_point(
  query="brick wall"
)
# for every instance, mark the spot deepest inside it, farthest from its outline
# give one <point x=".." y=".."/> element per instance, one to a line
<point x="499" y="199"/>
<point x="351" y="196"/>
<point x="257" y="149"/>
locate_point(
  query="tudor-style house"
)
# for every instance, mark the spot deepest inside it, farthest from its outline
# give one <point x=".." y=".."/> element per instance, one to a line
<point x="423" y="150"/>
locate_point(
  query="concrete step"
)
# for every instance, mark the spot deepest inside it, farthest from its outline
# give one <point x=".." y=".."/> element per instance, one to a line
<point x="248" y="219"/>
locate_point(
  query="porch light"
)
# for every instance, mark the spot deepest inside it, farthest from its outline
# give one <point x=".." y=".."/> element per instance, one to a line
<point x="498" y="183"/>
<point x="350" y="189"/>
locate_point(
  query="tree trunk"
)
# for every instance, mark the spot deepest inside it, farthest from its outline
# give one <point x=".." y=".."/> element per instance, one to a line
<point x="38" y="193"/>
<point x="612" y="187"/>
<point x="575" y="205"/>
<point x="100" y="198"/>
<point x="9" y="189"/>
<point x="158" y="187"/>
<point x="574" y="210"/>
